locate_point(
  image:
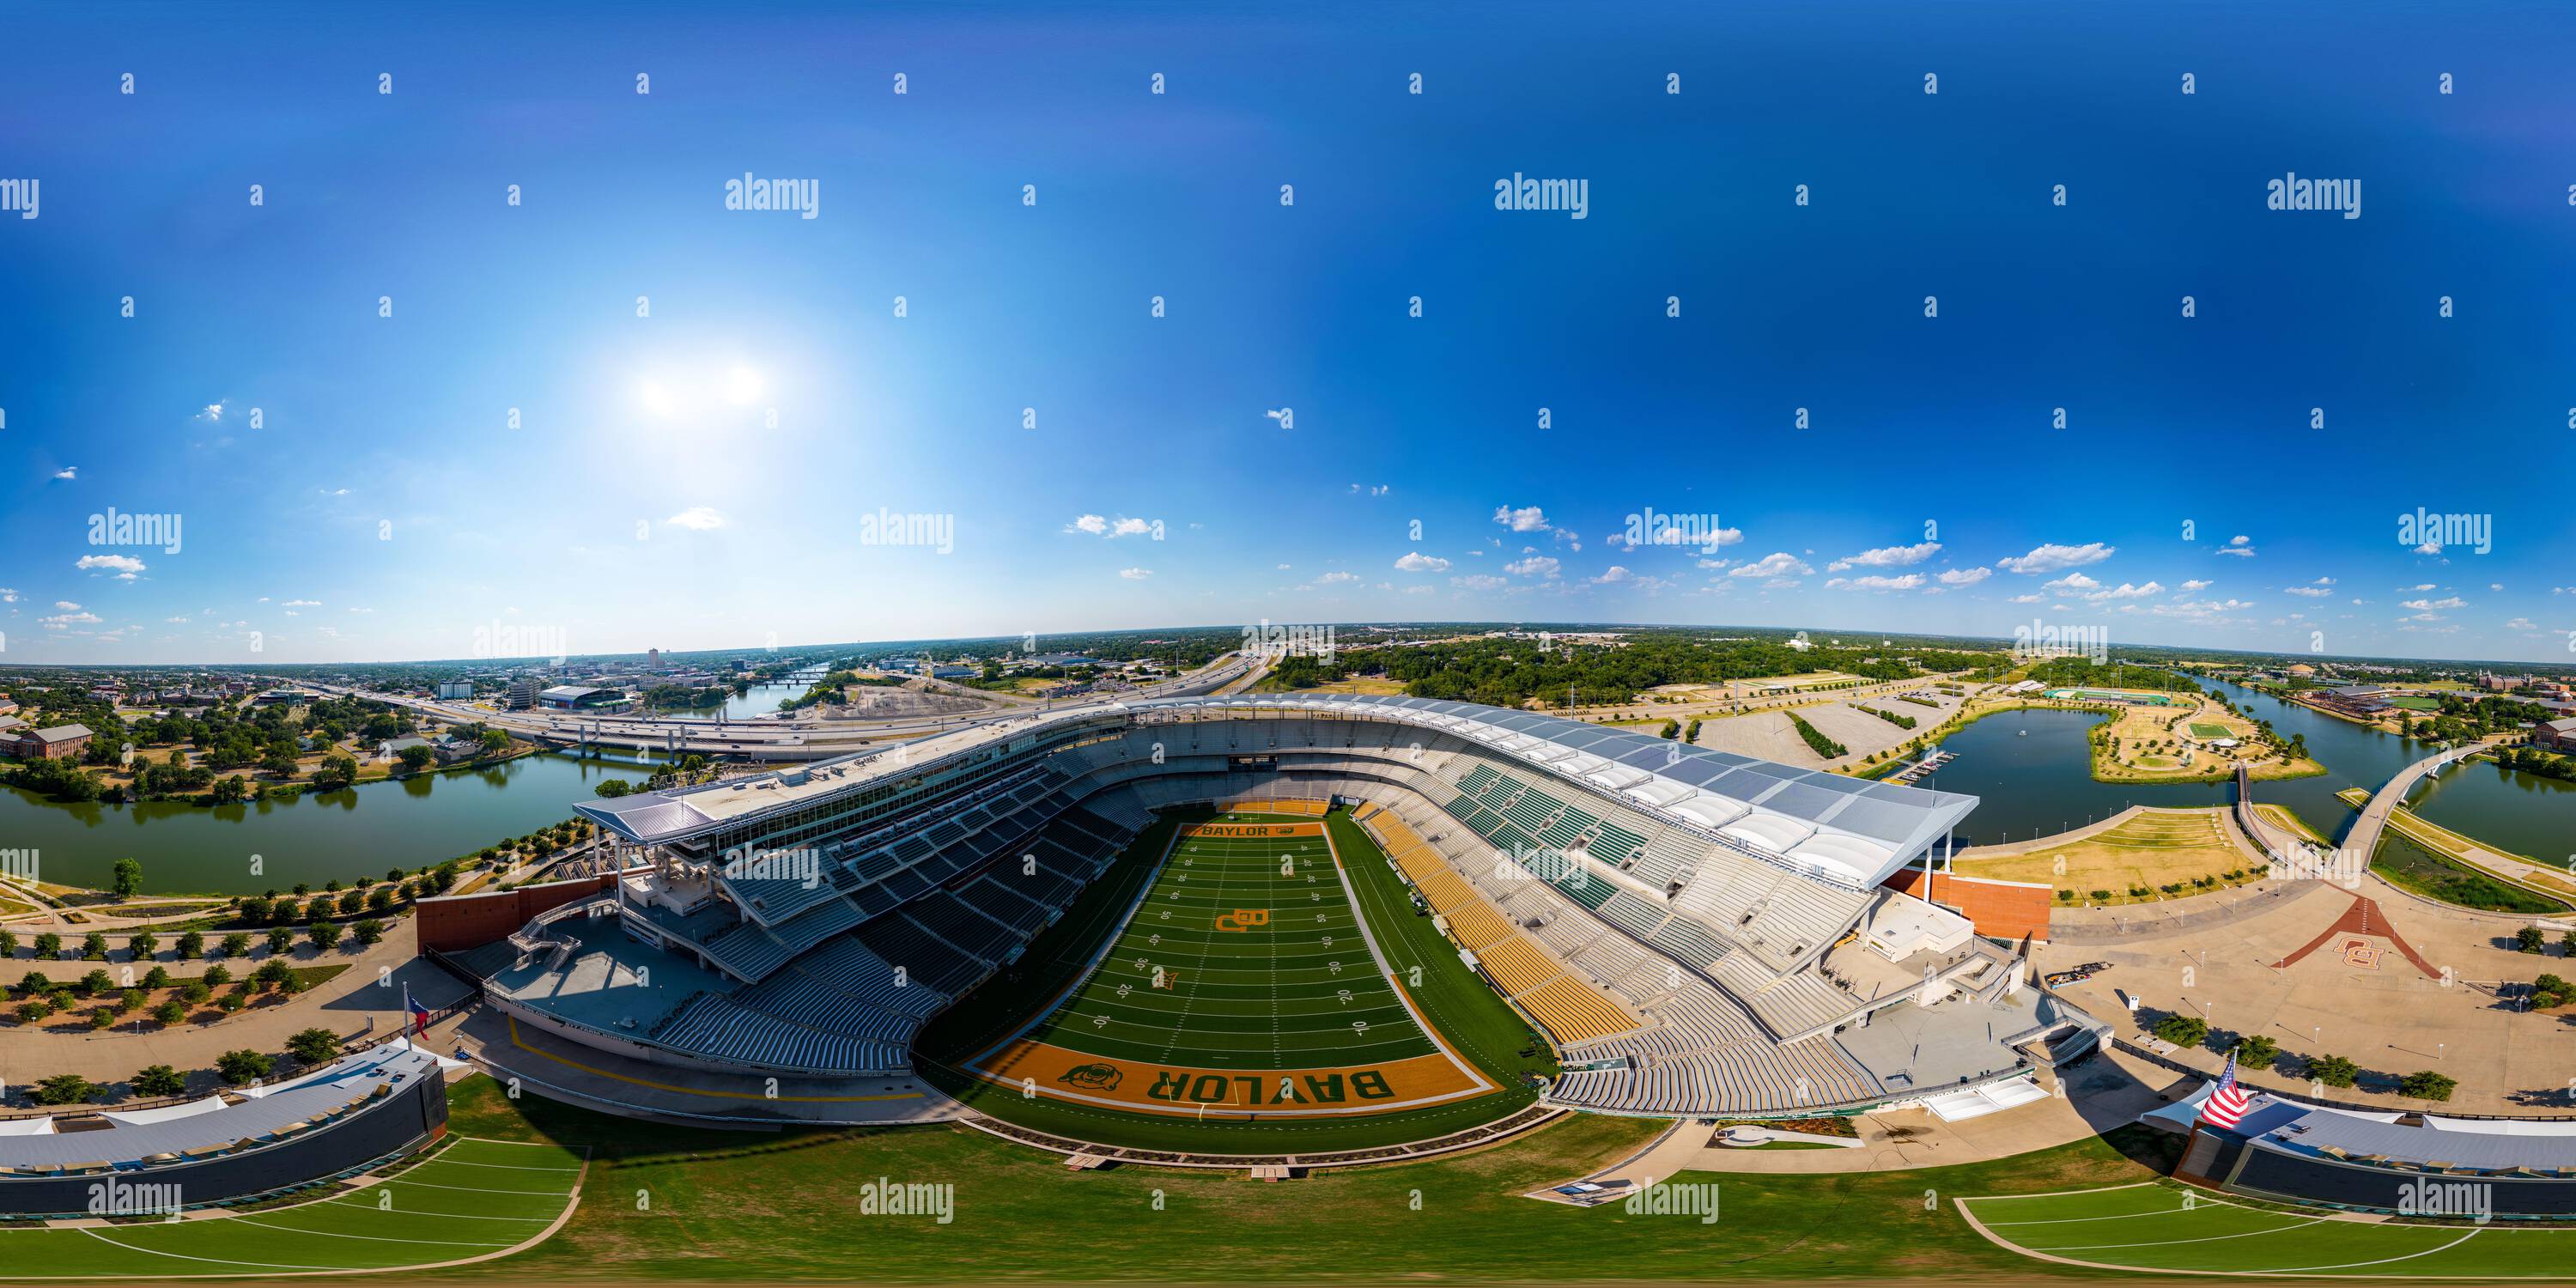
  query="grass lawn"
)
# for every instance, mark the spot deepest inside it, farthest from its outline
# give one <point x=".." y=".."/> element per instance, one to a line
<point x="2158" y="847"/>
<point x="676" y="1203"/>
<point x="2162" y="1227"/>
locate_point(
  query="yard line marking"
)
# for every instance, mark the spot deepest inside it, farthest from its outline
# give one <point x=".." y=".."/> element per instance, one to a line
<point x="2167" y="1243"/>
<point x="216" y="1261"/>
<point x="377" y="1238"/>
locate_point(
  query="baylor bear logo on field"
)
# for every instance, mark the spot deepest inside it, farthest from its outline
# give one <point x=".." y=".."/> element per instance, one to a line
<point x="1098" y="1077"/>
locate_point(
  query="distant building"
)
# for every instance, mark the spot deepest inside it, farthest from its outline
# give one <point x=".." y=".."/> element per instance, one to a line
<point x="62" y="742"/>
<point x="1059" y="659"/>
<point x="2301" y="669"/>
<point x="2360" y="701"/>
<point x="2556" y="735"/>
<point x="954" y="672"/>
<point x="653" y="658"/>
<point x="574" y="697"/>
<point x="282" y="697"/>
<point x="523" y="693"/>
<point x="7" y="707"/>
<point x="2501" y="683"/>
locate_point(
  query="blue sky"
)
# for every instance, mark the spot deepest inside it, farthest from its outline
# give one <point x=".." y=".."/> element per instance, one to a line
<point x="704" y="476"/>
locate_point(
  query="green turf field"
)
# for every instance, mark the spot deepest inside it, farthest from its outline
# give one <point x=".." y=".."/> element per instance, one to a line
<point x="1300" y="987"/>
<point x="475" y="1198"/>
<point x="2165" y="1227"/>
<point x="2202" y="730"/>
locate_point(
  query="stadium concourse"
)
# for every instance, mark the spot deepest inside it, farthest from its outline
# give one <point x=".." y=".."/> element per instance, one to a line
<point x="1695" y="932"/>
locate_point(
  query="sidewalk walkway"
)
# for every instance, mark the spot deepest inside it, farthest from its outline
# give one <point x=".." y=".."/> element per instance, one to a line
<point x="365" y="999"/>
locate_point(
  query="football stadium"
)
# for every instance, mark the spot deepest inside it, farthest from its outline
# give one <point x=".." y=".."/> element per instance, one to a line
<point x="1240" y="923"/>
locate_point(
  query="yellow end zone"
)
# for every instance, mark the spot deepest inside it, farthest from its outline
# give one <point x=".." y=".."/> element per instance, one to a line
<point x="1052" y="1071"/>
<point x="1251" y="831"/>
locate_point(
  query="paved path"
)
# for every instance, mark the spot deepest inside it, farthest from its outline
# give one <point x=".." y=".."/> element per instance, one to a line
<point x="367" y="998"/>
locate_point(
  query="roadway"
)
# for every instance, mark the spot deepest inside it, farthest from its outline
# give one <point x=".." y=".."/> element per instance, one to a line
<point x="796" y="737"/>
<point x="2363" y="839"/>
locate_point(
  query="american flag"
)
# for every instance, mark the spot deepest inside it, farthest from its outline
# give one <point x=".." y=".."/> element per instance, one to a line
<point x="2228" y="1102"/>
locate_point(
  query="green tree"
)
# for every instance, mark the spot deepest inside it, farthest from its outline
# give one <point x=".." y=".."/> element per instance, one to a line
<point x="49" y="946"/>
<point x="127" y="880"/>
<point x="254" y="911"/>
<point x="280" y="939"/>
<point x="2334" y="1070"/>
<point x="612" y="788"/>
<point x="2424" y="1084"/>
<point x="94" y="947"/>
<point x="8" y="945"/>
<point x="63" y="1089"/>
<point x="157" y="977"/>
<point x="238" y="1067"/>
<point x="171" y="1011"/>
<point x="2183" y="1030"/>
<point x="314" y="1046"/>
<point x="369" y="931"/>
<point x="2528" y="939"/>
<point x="94" y="983"/>
<point x="142" y="946"/>
<point x="2258" y="1052"/>
<point x="324" y="934"/>
<point x="236" y="944"/>
<point x="159" y="1079"/>
<point x="192" y="945"/>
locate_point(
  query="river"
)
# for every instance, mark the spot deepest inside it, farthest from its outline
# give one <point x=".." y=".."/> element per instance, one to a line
<point x="2033" y="773"/>
<point x="250" y="848"/>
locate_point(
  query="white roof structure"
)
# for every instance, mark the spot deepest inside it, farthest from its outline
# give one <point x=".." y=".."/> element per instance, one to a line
<point x="1850" y="832"/>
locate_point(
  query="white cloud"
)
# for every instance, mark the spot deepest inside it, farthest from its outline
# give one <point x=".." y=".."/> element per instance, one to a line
<point x="1965" y="576"/>
<point x="2031" y="598"/>
<point x="8" y="596"/>
<point x="303" y="603"/>
<point x="1379" y="490"/>
<point x="1416" y="561"/>
<point x="1283" y="567"/>
<point x="2495" y="585"/>
<point x="2190" y="587"/>
<point x="68" y="472"/>
<point x="1529" y="518"/>
<point x="67" y="605"/>
<point x="2421" y="585"/>
<point x="697" y="518"/>
<point x="2073" y="581"/>
<point x="118" y="563"/>
<point x="2241" y="546"/>
<point x="2429" y="548"/>
<point x="2520" y="624"/>
<point x="1875" y="581"/>
<point x="2057" y="558"/>
<point x="1091" y="523"/>
<point x="176" y="621"/>
<point x="2427" y="605"/>
<point x="1480" y="581"/>
<point x="1779" y="563"/>
<point x="2311" y="592"/>
<point x="1336" y="578"/>
<point x="66" y="619"/>
<point x="1533" y="566"/>
<point x="1135" y="574"/>
<point x="1887" y="557"/>
<point x="1616" y="574"/>
<point x="2126" y="591"/>
<point x="1715" y="563"/>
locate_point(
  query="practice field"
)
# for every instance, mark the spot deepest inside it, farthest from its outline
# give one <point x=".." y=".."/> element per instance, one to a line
<point x="475" y="1200"/>
<point x="1242" y="981"/>
<point x="2203" y="730"/>
<point x="2163" y="1228"/>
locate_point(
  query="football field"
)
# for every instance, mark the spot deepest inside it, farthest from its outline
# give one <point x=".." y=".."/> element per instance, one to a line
<point x="475" y="1200"/>
<point x="2164" y="1228"/>
<point x="1243" y="978"/>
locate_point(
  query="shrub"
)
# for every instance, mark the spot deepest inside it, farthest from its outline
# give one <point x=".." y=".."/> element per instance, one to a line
<point x="49" y="946"/>
<point x="128" y="1000"/>
<point x="142" y="947"/>
<point x="2258" y="1052"/>
<point x="94" y="947"/>
<point x="102" y="1017"/>
<point x="36" y="1011"/>
<point x="380" y="899"/>
<point x="2066" y="896"/>
<point x="156" y="978"/>
<point x="280" y="939"/>
<point x="196" y="991"/>
<point x="234" y="1001"/>
<point x="2528" y="939"/>
<point x="237" y="944"/>
<point x="273" y="971"/>
<point x="369" y="931"/>
<point x="169" y="1012"/>
<point x="324" y="934"/>
<point x="2333" y="1070"/>
<point x="192" y="945"/>
<point x="93" y="983"/>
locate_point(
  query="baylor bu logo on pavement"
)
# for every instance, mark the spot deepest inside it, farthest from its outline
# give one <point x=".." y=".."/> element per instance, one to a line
<point x="1243" y="919"/>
